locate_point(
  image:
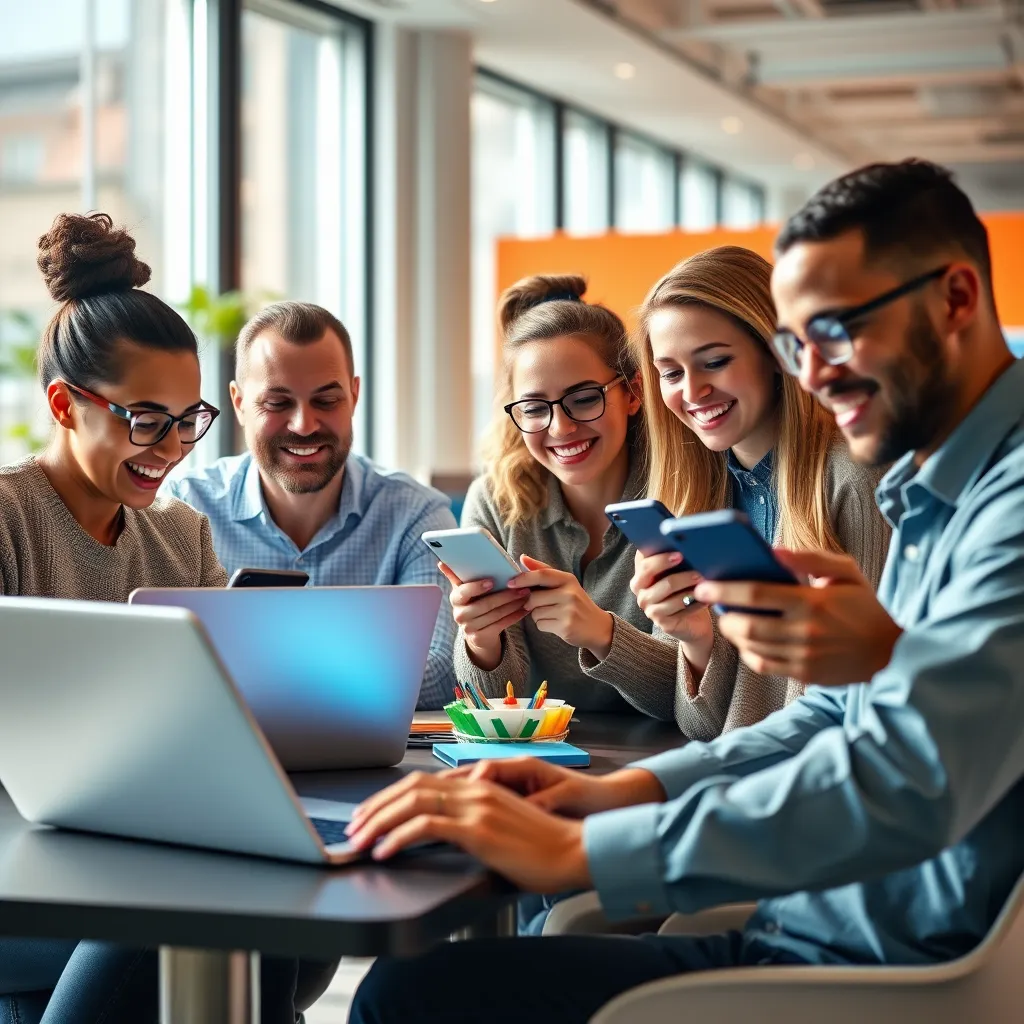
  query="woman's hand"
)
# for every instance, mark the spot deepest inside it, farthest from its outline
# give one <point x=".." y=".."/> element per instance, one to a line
<point x="560" y="605"/>
<point x="484" y="616"/>
<point x="667" y="600"/>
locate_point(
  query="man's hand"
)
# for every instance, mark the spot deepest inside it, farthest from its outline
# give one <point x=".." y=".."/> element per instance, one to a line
<point x="565" y="791"/>
<point x="540" y="852"/>
<point x="832" y="632"/>
<point x="560" y="605"/>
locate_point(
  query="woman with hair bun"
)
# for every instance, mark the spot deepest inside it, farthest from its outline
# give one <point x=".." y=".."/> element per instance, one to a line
<point x="120" y="370"/>
<point x="568" y="439"/>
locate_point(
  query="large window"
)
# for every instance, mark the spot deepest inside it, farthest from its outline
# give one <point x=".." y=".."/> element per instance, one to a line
<point x="91" y="117"/>
<point x="741" y="204"/>
<point x="513" y="195"/>
<point x="303" y="165"/>
<point x="644" y="186"/>
<point x="698" y="186"/>
<point x="585" y="142"/>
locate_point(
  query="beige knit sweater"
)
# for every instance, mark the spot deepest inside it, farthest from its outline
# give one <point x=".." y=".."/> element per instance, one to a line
<point x="44" y="552"/>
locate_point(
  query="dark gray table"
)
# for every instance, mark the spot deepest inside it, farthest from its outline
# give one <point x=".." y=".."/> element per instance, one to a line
<point x="192" y="903"/>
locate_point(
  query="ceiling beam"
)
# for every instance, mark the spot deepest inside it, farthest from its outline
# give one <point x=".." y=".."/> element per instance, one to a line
<point x="832" y="70"/>
<point x="980" y="153"/>
<point x="914" y="26"/>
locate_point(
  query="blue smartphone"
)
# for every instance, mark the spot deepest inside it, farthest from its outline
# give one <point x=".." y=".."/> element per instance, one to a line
<point x="724" y="546"/>
<point x="640" y="521"/>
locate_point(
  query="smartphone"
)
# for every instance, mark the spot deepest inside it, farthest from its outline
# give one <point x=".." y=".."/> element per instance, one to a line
<point x="725" y="546"/>
<point x="473" y="554"/>
<point x="268" y="578"/>
<point x="641" y="521"/>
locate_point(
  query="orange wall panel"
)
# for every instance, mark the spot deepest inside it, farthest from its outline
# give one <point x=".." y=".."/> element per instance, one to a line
<point x="621" y="268"/>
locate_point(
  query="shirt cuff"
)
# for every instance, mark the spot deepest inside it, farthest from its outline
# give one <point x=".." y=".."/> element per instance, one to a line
<point x="677" y="770"/>
<point x="623" y="854"/>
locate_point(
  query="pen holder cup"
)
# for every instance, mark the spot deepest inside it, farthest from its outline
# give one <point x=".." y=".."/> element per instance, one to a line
<point x="502" y="723"/>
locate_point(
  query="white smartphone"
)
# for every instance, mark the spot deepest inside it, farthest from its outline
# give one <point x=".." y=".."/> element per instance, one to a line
<point x="473" y="554"/>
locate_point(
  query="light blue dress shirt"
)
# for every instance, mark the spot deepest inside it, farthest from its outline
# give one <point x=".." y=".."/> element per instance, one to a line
<point x="373" y="540"/>
<point x="881" y="822"/>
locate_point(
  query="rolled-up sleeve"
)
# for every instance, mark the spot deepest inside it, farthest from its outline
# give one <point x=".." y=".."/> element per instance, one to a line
<point x="935" y="744"/>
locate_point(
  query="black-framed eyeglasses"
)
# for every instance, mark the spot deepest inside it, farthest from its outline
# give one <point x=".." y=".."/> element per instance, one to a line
<point x="148" y="427"/>
<point x="830" y="333"/>
<point x="532" y="415"/>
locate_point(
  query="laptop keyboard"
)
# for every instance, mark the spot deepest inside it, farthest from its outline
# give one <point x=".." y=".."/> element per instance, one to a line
<point x="330" y="830"/>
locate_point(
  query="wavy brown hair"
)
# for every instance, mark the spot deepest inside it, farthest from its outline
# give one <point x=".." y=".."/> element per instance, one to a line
<point x="542" y="308"/>
<point x="687" y="476"/>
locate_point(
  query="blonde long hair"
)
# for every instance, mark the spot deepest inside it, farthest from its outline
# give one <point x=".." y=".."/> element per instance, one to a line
<point x="541" y="308"/>
<point x="683" y="473"/>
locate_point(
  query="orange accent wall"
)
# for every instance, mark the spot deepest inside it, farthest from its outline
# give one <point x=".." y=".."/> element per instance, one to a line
<point x="621" y="268"/>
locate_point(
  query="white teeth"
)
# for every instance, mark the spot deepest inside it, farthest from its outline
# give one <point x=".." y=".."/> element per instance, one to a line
<point x="711" y="412"/>
<point x="848" y="404"/>
<point x="303" y="451"/>
<point x="149" y="471"/>
<point x="568" y="451"/>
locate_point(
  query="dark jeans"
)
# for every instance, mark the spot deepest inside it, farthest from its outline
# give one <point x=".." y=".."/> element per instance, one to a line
<point x="562" y="979"/>
<point x="94" y="982"/>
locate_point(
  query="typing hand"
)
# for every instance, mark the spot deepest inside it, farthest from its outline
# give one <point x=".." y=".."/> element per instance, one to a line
<point x="832" y="632"/>
<point x="540" y="852"/>
<point x="564" y="791"/>
<point x="561" y="606"/>
<point x="484" y="616"/>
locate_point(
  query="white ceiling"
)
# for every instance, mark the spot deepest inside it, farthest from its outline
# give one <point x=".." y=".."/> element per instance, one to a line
<point x="569" y="50"/>
<point x="816" y="86"/>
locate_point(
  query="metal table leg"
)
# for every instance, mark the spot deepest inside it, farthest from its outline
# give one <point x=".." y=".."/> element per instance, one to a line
<point x="205" y="986"/>
<point x="502" y="926"/>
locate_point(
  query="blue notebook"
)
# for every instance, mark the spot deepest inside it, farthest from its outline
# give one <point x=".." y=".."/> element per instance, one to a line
<point x="565" y="754"/>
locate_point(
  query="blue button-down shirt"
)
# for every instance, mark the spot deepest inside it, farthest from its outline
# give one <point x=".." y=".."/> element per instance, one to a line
<point x="881" y="822"/>
<point x="753" y="492"/>
<point x="373" y="540"/>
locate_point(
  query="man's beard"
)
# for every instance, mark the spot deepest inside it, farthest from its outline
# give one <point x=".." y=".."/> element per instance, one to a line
<point x="296" y="478"/>
<point x="918" y="393"/>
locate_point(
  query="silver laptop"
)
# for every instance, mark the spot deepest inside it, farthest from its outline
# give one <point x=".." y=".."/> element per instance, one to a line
<point x="331" y="674"/>
<point x="123" y="720"/>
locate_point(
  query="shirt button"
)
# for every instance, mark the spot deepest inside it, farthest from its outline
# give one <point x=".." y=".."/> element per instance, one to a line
<point x="761" y="499"/>
<point x="911" y="552"/>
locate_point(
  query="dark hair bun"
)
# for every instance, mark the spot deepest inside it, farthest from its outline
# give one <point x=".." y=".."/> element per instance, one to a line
<point x="532" y="291"/>
<point x="86" y="255"/>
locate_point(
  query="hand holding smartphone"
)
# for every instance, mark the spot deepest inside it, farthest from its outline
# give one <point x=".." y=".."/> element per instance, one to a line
<point x="640" y="522"/>
<point x="473" y="554"/>
<point x="725" y="546"/>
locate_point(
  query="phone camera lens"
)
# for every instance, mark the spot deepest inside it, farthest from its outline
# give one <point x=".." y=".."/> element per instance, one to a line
<point x="434" y="543"/>
<point x="617" y="517"/>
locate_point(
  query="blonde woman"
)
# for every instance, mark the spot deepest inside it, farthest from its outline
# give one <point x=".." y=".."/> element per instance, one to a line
<point x="568" y="440"/>
<point x="729" y="429"/>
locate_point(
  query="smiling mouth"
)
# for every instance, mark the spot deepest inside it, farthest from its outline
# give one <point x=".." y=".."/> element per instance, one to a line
<point x="711" y="415"/>
<point x="572" y="452"/>
<point x="149" y="472"/>
<point x="304" y="452"/>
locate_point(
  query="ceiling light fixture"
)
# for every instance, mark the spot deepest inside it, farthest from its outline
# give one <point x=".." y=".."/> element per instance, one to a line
<point x="624" y="70"/>
<point x="732" y="125"/>
<point x="803" y="162"/>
